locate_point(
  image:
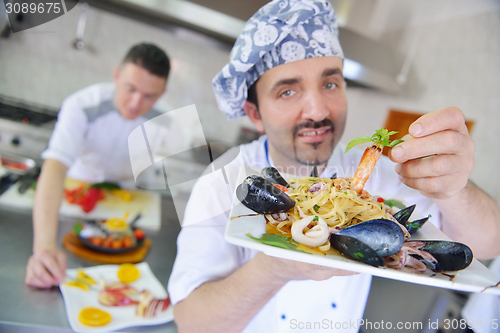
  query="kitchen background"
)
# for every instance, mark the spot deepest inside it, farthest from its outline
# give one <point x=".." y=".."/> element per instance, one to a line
<point x="456" y="63"/>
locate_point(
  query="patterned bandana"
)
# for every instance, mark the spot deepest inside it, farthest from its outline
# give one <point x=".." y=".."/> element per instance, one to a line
<point x="281" y="31"/>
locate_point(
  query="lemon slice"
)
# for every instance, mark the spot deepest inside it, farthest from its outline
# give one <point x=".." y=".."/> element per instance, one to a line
<point x="77" y="284"/>
<point x="81" y="275"/>
<point x="128" y="273"/>
<point x="94" y="317"/>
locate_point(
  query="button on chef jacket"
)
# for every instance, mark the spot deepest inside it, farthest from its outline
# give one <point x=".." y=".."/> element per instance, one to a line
<point x="91" y="137"/>
<point x="300" y="306"/>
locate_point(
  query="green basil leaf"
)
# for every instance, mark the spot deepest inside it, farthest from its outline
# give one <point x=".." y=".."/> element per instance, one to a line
<point x="359" y="140"/>
<point x="395" y="203"/>
<point x="395" y="142"/>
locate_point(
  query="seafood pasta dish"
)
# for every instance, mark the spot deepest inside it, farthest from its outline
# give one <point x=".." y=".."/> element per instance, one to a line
<point x="330" y="201"/>
<point x="316" y="214"/>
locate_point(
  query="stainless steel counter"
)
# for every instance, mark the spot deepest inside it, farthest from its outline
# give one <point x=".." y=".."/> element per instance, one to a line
<point x="26" y="309"/>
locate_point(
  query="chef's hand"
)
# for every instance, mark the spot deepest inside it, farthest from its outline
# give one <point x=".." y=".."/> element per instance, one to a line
<point x="437" y="156"/>
<point x="46" y="268"/>
<point x="288" y="270"/>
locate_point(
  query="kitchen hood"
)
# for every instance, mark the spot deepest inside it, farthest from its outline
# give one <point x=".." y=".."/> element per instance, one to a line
<point x="368" y="63"/>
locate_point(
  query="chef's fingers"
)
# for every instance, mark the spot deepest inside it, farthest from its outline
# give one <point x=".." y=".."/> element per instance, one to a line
<point x="38" y="276"/>
<point x="61" y="259"/>
<point x="33" y="281"/>
<point x="446" y="142"/>
<point x="51" y="263"/>
<point x="431" y="166"/>
<point x="447" y="118"/>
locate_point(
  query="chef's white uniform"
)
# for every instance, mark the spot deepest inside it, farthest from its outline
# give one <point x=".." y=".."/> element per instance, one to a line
<point x="91" y="137"/>
<point x="300" y="306"/>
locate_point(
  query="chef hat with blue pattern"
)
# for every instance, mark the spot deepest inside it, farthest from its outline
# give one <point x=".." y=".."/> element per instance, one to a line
<point x="281" y="31"/>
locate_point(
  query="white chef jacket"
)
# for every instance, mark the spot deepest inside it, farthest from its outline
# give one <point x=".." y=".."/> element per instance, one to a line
<point x="300" y="306"/>
<point x="91" y="137"/>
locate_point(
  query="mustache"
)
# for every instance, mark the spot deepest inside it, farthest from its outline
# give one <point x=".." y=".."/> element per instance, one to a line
<point x="314" y="124"/>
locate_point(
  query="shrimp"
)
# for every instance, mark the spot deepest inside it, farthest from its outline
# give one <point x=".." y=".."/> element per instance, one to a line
<point x="370" y="156"/>
<point x="365" y="168"/>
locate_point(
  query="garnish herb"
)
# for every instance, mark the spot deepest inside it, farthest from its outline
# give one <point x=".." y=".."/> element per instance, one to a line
<point x="316" y="207"/>
<point x="278" y="241"/>
<point x="395" y="203"/>
<point x="315" y="219"/>
<point x="381" y="137"/>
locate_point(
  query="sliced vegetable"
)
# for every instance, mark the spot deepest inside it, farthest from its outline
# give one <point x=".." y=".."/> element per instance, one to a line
<point x="122" y="194"/>
<point x="86" y="198"/>
<point x="106" y="186"/>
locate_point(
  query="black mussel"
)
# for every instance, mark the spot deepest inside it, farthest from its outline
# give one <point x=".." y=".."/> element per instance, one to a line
<point x="272" y="175"/>
<point x="384" y="236"/>
<point x="404" y="214"/>
<point x="356" y="250"/>
<point x="415" y="226"/>
<point x="403" y="217"/>
<point x="450" y="256"/>
<point x="262" y="196"/>
<point x="314" y="172"/>
<point x="334" y="176"/>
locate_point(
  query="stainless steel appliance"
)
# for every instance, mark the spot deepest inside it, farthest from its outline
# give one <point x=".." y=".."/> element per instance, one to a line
<point x="25" y="129"/>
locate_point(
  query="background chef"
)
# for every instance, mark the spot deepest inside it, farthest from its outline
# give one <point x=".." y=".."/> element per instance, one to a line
<point x="90" y="143"/>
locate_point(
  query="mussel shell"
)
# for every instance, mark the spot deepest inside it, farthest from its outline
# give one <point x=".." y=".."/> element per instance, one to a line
<point x="262" y="196"/>
<point x="356" y="250"/>
<point x="404" y="214"/>
<point x="384" y="236"/>
<point x="415" y="226"/>
<point x="450" y="256"/>
<point x="271" y="174"/>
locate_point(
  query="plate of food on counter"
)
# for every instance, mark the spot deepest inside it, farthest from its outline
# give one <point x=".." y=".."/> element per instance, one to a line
<point x="336" y="222"/>
<point x="113" y="235"/>
<point x="112" y="297"/>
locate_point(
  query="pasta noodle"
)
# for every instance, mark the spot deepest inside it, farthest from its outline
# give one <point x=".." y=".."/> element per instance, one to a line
<point x="338" y="205"/>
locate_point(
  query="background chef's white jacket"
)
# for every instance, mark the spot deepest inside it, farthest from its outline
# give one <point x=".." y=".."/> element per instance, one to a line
<point x="91" y="137"/>
<point x="203" y="254"/>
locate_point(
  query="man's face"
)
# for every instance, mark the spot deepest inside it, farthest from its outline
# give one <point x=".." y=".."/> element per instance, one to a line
<point x="302" y="109"/>
<point x="137" y="90"/>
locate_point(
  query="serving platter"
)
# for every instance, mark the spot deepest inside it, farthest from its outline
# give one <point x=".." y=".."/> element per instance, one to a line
<point x="76" y="299"/>
<point x="475" y="278"/>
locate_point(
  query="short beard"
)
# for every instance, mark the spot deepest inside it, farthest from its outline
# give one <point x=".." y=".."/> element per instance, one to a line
<point x="312" y="124"/>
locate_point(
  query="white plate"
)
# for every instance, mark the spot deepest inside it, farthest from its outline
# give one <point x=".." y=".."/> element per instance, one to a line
<point x="475" y="278"/>
<point x="76" y="299"/>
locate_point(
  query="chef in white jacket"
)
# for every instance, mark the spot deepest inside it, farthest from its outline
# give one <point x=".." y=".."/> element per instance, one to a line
<point x="90" y="143"/>
<point x="285" y="74"/>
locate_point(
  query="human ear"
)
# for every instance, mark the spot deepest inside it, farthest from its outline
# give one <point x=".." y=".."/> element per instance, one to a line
<point x="116" y="73"/>
<point x="253" y="113"/>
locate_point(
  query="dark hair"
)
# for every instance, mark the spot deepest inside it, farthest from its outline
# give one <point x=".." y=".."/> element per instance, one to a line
<point x="252" y="95"/>
<point x="149" y="57"/>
